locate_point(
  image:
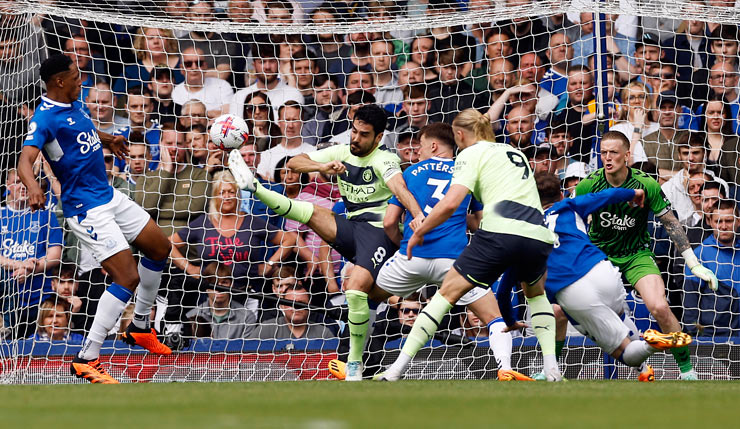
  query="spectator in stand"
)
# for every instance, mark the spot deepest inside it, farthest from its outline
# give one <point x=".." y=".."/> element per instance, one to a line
<point x="267" y="81"/>
<point x="648" y="53"/>
<point x="520" y="128"/>
<point x="328" y="105"/>
<point x="619" y="45"/>
<point x="289" y="46"/>
<point x="686" y="184"/>
<point x="415" y="110"/>
<point x="214" y="92"/>
<point x="198" y="140"/>
<point x="688" y="50"/>
<point x="456" y="94"/>
<point x="327" y="45"/>
<point x="65" y="289"/>
<point x="410" y="73"/>
<point x="574" y="173"/>
<point x="116" y="180"/>
<point x="355" y="100"/>
<point x="708" y="312"/>
<point x="501" y="76"/>
<point x="227" y="235"/>
<point x="101" y="102"/>
<point x="154" y="47"/>
<point x="77" y="49"/>
<point x="560" y="139"/>
<point x="452" y="37"/>
<point x="262" y="10"/>
<point x="498" y="45"/>
<point x="529" y="35"/>
<point x="139" y="108"/>
<point x="137" y="160"/>
<point x="53" y="323"/>
<point x="258" y="114"/>
<point x="408" y="147"/>
<point x="408" y="311"/>
<point x="304" y="70"/>
<point x="177" y="191"/>
<point x="634" y="119"/>
<point x="161" y="87"/>
<point x="359" y="80"/>
<point x="523" y="92"/>
<point x="294" y="323"/>
<point x="239" y="45"/>
<point x="220" y="316"/>
<point x="531" y="69"/>
<point x="192" y="112"/>
<point x="291" y="142"/>
<point x="661" y="78"/>
<point x="580" y="93"/>
<point x="31" y="248"/>
<point x="424" y="54"/>
<point x="471" y="327"/>
<point x="700" y="229"/>
<point x="210" y="43"/>
<point x="388" y="93"/>
<point x="660" y="146"/>
<point x="19" y="60"/>
<point x="723" y="85"/>
<point x="354" y="55"/>
<point x="723" y="42"/>
<point x="559" y="53"/>
<point x="723" y="143"/>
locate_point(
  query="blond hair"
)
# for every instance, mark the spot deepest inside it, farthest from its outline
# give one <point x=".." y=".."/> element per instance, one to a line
<point x="475" y="122"/>
<point x="170" y="41"/>
<point x="221" y="179"/>
<point x="624" y="94"/>
<point x="48" y="307"/>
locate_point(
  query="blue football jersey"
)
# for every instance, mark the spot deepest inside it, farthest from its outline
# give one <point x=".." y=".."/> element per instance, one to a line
<point x="71" y="144"/>
<point x="151" y="136"/>
<point x="573" y="255"/>
<point x="24" y="235"/>
<point x="428" y="181"/>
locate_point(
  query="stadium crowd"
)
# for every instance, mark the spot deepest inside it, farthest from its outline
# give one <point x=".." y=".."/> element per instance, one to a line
<point x="238" y="270"/>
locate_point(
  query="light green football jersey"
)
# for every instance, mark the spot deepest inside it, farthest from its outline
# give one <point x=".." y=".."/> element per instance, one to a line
<point x="363" y="186"/>
<point x="499" y="176"/>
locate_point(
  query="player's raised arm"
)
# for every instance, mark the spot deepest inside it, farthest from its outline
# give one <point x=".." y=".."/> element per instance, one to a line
<point x="36" y="199"/>
<point x="678" y="236"/>
<point x="304" y="164"/>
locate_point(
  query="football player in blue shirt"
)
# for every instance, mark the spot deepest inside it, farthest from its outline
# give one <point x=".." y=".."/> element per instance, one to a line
<point x="584" y="282"/>
<point x="103" y="219"/>
<point x="429" y="180"/>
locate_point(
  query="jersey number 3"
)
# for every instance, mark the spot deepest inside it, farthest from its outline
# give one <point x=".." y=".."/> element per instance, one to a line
<point x="439" y="191"/>
<point x="518" y="160"/>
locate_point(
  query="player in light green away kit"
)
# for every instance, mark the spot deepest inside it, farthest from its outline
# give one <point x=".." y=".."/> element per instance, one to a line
<point x="620" y="231"/>
<point x="368" y="175"/>
<point x="512" y="234"/>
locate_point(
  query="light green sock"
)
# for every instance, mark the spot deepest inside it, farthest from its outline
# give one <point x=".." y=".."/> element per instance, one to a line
<point x="426" y="324"/>
<point x="300" y="211"/>
<point x="543" y="322"/>
<point x="358" y="320"/>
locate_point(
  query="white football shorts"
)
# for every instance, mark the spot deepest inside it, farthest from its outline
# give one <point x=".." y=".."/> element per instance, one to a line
<point x="402" y="277"/>
<point x="595" y="302"/>
<point x="108" y="229"/>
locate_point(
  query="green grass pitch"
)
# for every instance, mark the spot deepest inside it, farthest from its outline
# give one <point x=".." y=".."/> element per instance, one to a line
<point x="333" y="404"/>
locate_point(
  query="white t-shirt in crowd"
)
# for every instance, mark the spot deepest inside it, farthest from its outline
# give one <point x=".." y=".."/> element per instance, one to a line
<point x="270" y="158"/>
<point x="214" y="94"/>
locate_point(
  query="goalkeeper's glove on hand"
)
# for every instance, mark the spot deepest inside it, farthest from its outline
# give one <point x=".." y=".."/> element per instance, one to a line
<point x="699" y="270"/>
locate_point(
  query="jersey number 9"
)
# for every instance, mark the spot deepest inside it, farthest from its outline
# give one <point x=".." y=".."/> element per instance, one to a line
<point x="519" y="161"/>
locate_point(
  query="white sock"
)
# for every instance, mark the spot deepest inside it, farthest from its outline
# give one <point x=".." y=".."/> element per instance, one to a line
<point x="500" y="343"/>
<point x="549" y="362"/>
<point x="150" y="276"/>
<point x="399" y="365"/>
<point x="110" y="307"/>
<point x="634" y="333"/>
<point x="637" y="352"/>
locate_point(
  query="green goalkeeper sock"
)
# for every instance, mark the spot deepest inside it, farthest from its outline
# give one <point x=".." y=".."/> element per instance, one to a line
<point x="543" y="322"/>
<point x="559" y="348"/>
<point x="300" y="211"/>
<point x="358" y="319"/>
<point x="683" y="358"/>
<point x="426" y="324"/>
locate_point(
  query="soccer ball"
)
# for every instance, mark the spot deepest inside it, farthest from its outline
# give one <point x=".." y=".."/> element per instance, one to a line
<point x="229" y="132"/>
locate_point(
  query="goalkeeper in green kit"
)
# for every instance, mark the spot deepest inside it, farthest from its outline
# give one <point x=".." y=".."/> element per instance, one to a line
<point x="620" y="231"/>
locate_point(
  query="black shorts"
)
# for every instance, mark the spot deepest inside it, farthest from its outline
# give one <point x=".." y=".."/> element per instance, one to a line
<point x="489" y="254"/>
<point x="363" y="244"/>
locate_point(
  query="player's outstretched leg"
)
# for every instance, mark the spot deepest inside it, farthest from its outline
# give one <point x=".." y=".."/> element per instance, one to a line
<point x="300" y="211"/>
<point x="543" y="323"/>
<point x="652" y="291"/>
<point x="152" y="242"/>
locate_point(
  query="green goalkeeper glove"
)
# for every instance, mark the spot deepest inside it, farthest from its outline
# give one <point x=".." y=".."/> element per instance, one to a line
<point x="699" y="270"/>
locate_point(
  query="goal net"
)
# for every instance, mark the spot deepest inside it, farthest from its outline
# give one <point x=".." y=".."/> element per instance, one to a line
<point x="249" y="295"/>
